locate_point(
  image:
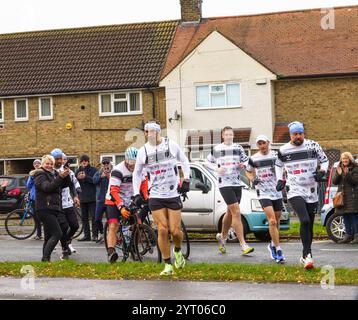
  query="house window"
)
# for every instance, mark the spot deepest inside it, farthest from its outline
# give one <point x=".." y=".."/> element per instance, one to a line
<point x="21" y="110"/>
<point x="218" y="96"/>
<point x="120" y="103"/>
<point x="45" y="109"/>
<point x="113" y="158"/>
<point x="1" y="111"/>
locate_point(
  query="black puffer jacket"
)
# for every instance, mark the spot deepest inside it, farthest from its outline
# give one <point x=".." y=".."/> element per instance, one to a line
<point x="49" y="189"/>
<point x="348" y="183"/>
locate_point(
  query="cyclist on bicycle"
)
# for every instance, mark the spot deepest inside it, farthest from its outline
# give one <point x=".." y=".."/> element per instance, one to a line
<point x="159" y="158"/>
<point x="119" y="197"/>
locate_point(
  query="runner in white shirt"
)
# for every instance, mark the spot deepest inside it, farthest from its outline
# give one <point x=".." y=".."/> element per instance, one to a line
<point x="159" y="157"/>
<point x="301" y="159"/>
<point x="227" y="159"/>
<point x="261" y="171"/>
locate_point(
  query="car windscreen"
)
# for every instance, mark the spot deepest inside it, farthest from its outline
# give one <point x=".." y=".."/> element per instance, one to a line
<point x="11" y="182"/>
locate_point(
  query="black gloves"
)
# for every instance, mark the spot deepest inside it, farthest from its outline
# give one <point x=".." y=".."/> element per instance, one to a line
<point x="280" y="185"/>
<point x="319" y="175"/>
<point x="138" y="200"/>
<point x="185" y="187"/>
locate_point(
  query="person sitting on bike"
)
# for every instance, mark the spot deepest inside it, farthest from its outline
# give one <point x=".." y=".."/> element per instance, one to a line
<point x="119" y="197"/>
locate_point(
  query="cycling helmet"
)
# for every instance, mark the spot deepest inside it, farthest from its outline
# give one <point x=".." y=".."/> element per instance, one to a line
<point x="57" y="153"/>
<point x="131" y="153"/>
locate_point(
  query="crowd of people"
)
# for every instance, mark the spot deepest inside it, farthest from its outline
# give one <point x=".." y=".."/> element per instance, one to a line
<point x="151" y="176"/>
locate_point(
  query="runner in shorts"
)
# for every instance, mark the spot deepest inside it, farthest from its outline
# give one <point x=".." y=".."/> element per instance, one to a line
<point x="227" y="159"/>
<point x="159" y="157"/>
<point x="261" y="172"/>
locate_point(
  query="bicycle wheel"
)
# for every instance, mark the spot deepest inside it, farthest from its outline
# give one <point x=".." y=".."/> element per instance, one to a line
<point x="185" y="248"/>
<point x="145" y="242"/>
<point x="20" y="224"/>
<point x="79" y="220"/>
<point x="123" y="248"/>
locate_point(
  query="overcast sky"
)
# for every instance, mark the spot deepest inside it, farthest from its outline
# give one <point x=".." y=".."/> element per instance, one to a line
<point x="27" y="15"/>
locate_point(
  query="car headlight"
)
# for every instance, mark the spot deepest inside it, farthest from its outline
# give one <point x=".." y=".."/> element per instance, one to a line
<point x="256" y="205"/>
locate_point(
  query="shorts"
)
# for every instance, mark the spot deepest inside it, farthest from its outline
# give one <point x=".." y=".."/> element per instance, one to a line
<point x="231" y="195"/>
<point x="276" y="204"/>
<point x="113" y="214"/>
<point x="170" y="203"/>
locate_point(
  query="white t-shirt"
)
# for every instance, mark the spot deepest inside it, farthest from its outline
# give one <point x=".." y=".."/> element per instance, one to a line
<point x="228" y="157"/>
<point x="264" y="166"/>
<point x="160" y="163"/>
<point x="299" y="163"/>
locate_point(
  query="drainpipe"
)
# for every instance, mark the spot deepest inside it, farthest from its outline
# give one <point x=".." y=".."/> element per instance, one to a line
<point x="153" y="103"/>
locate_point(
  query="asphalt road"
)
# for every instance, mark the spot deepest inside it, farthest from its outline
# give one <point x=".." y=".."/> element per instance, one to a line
<point x="324" y="252"/>
<point x="60" y="288"/>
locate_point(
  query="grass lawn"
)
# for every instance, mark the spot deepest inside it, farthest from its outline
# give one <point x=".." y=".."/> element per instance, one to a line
<point x="196" y="272"/>
<point x="318" y="230"/>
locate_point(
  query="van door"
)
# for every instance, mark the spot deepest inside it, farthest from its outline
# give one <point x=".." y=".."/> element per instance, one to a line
<point x="198" y="210"/>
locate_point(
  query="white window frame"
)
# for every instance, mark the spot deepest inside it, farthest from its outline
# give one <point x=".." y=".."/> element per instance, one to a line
<point x="210" y="85"/>
<point x="112" y="113"/>
<point x="2" y="119"/>
<point x="41" y="117"/>
<point x="111" y="155"/>
<point x="27" y="110"/>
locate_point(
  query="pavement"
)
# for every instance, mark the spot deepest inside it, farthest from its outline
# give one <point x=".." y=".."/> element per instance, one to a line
<point x="78" y="289"/>
<point x="324" y="252"/>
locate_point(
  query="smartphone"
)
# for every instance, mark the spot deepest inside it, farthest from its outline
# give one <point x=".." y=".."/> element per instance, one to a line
<point x="67" y="164"/>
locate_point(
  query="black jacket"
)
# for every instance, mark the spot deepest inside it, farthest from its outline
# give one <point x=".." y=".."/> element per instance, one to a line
<point x="348" y="183"/>
<point x="88" y="187"/>
<point x="49" y="189"/>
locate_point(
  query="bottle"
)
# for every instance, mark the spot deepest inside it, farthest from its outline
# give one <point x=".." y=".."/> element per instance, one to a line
<point x="126" y="234"/>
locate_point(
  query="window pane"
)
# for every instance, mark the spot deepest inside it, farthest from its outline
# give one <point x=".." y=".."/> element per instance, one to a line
<point x="134" y="101"/>
<point x="120" y="106"/>
<point x="119" y="159"/>
<point x="217" y="88"/>
<point x="218" y="100"/>
<point x="120" y="96"/>
<point x="105" y="103"/>
<point x="21" y="109"/>
<point x="45" y="107"/>
<point x="202" y="96"/>
<point x="1" y="112"/>
<point x="233" y="94"/>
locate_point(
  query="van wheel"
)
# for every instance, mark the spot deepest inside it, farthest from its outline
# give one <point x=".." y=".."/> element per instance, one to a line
<point x="232" y="238"/>
<point x="335" y="227"/>
<point x="262" y="236"/>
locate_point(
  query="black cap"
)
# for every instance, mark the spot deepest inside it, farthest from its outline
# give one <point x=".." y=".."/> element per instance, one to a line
<point x="106" y="161"/>
<point x="84" y="158"/>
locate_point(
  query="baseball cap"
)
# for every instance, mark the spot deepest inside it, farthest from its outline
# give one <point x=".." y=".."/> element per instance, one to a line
<point x="296" y="126"/>
<point x="262" y="137"/>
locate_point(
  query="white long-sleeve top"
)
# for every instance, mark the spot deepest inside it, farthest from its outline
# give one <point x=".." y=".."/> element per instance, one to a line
<point x="161" y="164"/>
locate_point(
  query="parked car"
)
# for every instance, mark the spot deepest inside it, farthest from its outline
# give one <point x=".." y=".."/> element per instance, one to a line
<point x="204" y="209"/>
<point x="11" y="199"/>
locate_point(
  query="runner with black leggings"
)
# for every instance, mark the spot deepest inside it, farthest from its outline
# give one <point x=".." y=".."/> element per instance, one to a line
<point x="305" y="164"/>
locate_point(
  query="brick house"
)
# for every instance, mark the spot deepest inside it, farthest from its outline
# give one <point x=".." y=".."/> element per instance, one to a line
<point x="286" y="66"/>
<point x="80" y="90"/>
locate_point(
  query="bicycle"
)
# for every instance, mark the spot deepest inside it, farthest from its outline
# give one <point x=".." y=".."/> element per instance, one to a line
<point x="134" y="238"/>
<point x="20" y="223"/>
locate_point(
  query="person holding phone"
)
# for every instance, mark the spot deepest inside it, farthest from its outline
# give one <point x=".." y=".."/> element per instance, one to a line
<point x="346" y="177"/>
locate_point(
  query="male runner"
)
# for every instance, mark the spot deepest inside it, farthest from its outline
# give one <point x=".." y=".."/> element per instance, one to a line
<point x="227" y="159"/>
<point x="261" y="171"/>
<point x="300" y="158"/>
<point x="159" y="157"/>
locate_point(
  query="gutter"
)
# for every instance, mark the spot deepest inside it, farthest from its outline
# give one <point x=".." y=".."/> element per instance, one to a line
<point x="318" y="76"/>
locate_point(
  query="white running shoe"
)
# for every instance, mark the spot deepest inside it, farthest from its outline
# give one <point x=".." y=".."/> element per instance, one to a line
<point x="307" y="262"/>
<point x="179" y="260"/>
<point x="246" y="249"/>
<point x="73" y="250"/>
<point x="168" y="270"/>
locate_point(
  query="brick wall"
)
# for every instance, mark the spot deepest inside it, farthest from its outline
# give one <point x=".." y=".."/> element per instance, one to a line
<point x="327" y="107"/>
<point x="190" y="10"/>
<point x="35" y="138"/>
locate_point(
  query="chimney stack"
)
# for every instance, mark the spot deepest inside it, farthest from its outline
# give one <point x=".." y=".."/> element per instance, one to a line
<point x="191" y="10"/>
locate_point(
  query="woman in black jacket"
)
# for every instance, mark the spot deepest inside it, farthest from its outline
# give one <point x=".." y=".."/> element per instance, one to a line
<point x="48" y="203"/>
<point x="346" y="177"/>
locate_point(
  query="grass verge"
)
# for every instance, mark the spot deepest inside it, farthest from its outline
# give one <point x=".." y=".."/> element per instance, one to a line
<point x="194" y="272"/>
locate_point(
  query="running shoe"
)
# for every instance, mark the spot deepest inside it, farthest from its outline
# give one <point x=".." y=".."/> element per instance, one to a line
<point x="179" y="260"/>
<point x="168" y="270"/>
<point x="113" y="257"/>
<point x="222" y="243"/>
<point x="272" y="250"/>
<point x="279" y="257"/>
<point x="246" y="249"/>
<point x="307" y="262"/>
<point x="73" y="250"/>
<point x="65" y="254"/>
